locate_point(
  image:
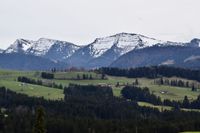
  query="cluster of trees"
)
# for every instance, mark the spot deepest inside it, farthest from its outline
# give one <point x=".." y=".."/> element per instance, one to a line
<point x="71" y="69"/>
<point x="98" y="92"/>
<point x="139" y="94"/>
<point x="179" y="83"/>
<point x="84" y="77"/>
<point x="39" y="82"/>
<point x="89" y="109"/>
<point x="89" y="77"/>
<point x="46" y="75"/>
<point x="134" y="83"/>
<point x="153" y="72"/>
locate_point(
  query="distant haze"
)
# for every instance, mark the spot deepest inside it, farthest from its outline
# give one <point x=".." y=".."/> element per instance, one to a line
<point x="81" y="21"/>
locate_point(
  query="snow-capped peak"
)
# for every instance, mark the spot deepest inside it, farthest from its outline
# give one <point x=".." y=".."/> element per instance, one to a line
<point x="124" y="41"/>
<point x="20" y="45"/>
<point x="41" y="46"/>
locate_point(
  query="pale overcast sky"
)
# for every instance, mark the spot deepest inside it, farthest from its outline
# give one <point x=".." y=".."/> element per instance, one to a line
<point x="81" y="21"/>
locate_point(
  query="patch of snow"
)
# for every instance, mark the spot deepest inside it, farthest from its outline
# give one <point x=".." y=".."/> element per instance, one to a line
<point x="192" y="58"/>
<point x="168" y="62"/>
<point x="41" y="46"/>
<point x="101" y="45"/>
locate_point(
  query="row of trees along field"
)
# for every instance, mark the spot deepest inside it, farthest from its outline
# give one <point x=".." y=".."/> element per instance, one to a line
<point x="179" y="83"/>
<point x="89" y="109"/>
<point x="84" y="76"/>
<point x="89" y="77"/>
<point x="152" y="72"/>
<point x="24" y="79"/>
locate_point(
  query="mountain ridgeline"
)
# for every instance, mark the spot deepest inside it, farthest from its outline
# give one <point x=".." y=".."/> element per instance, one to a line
<point x="122" y="50"/>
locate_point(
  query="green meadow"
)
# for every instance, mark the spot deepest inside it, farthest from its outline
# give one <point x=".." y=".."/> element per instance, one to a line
<point x="9" y="80"/>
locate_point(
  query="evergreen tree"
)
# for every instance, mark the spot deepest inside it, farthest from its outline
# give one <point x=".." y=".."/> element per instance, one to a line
<point x="84" y="76"/>
<point x="193" y="88"/>
<point x="39" y="126"/>
<point x="103" y="76"/>
<point x="90" y="77"/>
<point x="186" y="102"/>
<point x="60" y="86"/>
<point x="117" y="85"/>
<point x="187" y="84"/>
<point x="161" y="81"/>
<point x="136" y="82"/>
<point x="78" y="77"/>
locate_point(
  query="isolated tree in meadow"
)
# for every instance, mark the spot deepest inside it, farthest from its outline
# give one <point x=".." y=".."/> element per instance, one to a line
<point x="161" y="81"/>
<point x="117" y="85"/>
<point x="187" y="84"/>
<point x="78" y="77"/>
<point x="186" y="102"/>
<point x="90" y="77"/>
<point x="39" y="126"/>
<point x="193" y="88"/>
<point x="103" y="76"/>
<point x="136" y="82"/>
<point x="60" y="86"/>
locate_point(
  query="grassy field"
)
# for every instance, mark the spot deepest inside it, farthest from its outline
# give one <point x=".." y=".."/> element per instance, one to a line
<point x="173" y="93"/>
<point x="191" y="132"/>
<point x="160" y="108"/>
<point x="33" y="90"/>
<point x="163" y="108"/>
<point x="8" y="79"/>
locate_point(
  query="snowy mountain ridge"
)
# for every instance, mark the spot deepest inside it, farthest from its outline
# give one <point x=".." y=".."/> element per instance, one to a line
<point x="125" y="42"/>
<point x="102" y="52"/>
<point x="42" y="46"/>
<point x="105" y="50"/>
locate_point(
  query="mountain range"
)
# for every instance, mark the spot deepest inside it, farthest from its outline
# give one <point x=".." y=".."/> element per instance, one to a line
<point x="121" y="50"/>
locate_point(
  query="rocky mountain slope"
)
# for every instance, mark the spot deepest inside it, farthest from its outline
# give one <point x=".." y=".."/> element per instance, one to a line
<point x="179" y="56"/>
<point x="17" y="61"/>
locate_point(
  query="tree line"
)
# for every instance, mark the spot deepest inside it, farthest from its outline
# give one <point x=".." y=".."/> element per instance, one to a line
<point x="24" y="79"/>
<point x="152" y="72"/>
<point x="178" y="83"/>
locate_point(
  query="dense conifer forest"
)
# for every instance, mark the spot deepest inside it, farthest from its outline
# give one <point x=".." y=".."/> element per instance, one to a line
<point x="153" y="72"/>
